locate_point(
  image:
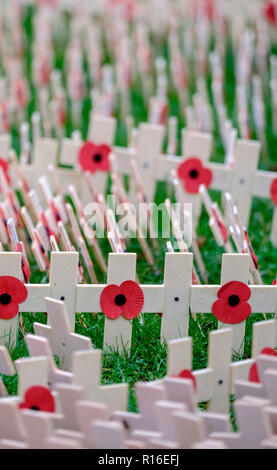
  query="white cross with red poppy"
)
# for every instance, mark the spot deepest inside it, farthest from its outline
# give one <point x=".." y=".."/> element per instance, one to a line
<point x="45" y="153"/>
<point x="235" y="299"/>
<point x="150" y="139"/>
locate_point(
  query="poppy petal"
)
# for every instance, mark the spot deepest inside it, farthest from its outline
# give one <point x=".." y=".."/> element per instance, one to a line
<point x="192" y="185"/>
<point x="39" y="398"/>
<point x="231" y="315"/>
<point x="269" y="352"/>
<point x="253" y="375"/>
<point x="5" y="167"/>
<point x="253" y="372"/>
<point x="206" y="177"/>
<point x="238" y="288"/>
<point x="8" y="311"/>
<point x="134" y="299"/>
<point x="187" y="374"/>
<point x="85" y="157"/>
<point x="14" y="287"/>
<point x="188" y="165"/>
<point x="107" y="301"/>
<point x="269" y="13"/>
<point x="273" y="191"/>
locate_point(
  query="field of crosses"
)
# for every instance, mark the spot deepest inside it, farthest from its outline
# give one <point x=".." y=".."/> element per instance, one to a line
<point x="141" y="342"/>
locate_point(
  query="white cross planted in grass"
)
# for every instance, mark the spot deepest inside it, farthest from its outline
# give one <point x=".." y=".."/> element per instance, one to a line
<point x="61" y="338"/>
<point x="46" y="150"/>
<point x="235" y="267"/>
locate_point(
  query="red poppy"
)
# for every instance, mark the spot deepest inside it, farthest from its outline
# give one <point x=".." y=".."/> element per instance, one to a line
<point x="126" y="300"/>
<point x="38" y="398"/>
<point x="253" y="372"/>
<point x="94" y="158"/>
<point x="12" y="293"/>
<point x="270" y="12"/>
<point x="5" y="167"/>
<point x="193" y="174"/>
<point x="274" y="282"/>
<point x="187" y="374"/>
<point x="232" y="306"/>
<point x="273" y="191"/>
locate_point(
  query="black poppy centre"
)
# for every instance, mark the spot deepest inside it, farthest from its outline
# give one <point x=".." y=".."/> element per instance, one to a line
<point x="5" y="299"/>
<point x="120" y="299"/>
<point x="35" y="408"/>
<point x="193" y="174"/>
<point x="97" y="157"/>
<point x="234" y="300"/>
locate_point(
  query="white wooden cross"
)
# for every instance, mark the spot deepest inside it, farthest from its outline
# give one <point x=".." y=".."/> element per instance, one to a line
<point x="176" y="295"/>
<point x="150" y="139"/>
<point x="86" y="370"/>
<point x="39" y="346"/>
<point x="235" y="267"/>
<point x="45" y="153"/>
<point x="59" y="334"/>
<point x="213" y="382"/>
<point x="254" y="425"/>
<point x="62" y="285"/>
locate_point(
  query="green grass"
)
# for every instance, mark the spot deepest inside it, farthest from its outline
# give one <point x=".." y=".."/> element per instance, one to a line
<point x="147" y="360"/>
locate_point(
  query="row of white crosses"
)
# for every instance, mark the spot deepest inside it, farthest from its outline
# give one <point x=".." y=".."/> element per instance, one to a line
<point x="91" y="415"/>
<point x="156" y="424"/>
<point x="174" y="298"/>
<point x="239" y="177"/>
